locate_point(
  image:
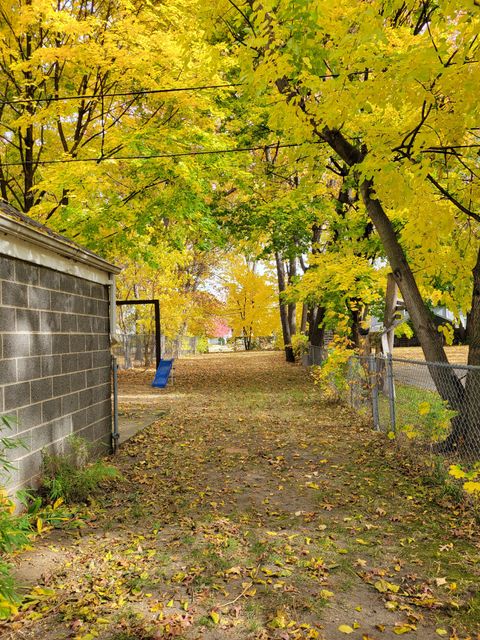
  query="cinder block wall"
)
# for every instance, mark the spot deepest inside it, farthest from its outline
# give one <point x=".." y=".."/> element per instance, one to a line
<point x="54" y="362"/>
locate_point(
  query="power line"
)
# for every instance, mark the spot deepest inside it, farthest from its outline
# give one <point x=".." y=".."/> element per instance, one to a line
<point x="140" y="92"/>
<point x="159" y="155"/>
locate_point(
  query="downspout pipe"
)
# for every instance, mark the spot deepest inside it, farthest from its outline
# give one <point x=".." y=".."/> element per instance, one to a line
<point x="114" y="365"/>
<point x="115" y="431"/>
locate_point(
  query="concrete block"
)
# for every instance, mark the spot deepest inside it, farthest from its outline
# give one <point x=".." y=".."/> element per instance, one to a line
<point x="99" y="411"/>
<point x="103" y="308"/>
<point x="102" y="428"/>
<point x="69" y="363"/>
<point x="27" y="320"/>
<point x="101" y="358"/>
<point x="30" y="417"/>
<point x="77" y="343"/>
<point x="87" y="433"/>
<point x="40" y="344"/>
<point x="7" y="268"/>
<point x="8" y="371"/>
<point x="49" y="278"/>
<point x="85" y="361"/>
<point x="61" y="343"/>
<point x="103" y="342"/>
<point x="28" y="368"/>
<point x="100" y="325"/>
<point x="99" y="291"/>
<point x="78" y="304"/>
<point x="50" y="322"/>
<point x="51" y="365"/>
<point x="61" y="301"/>
<point x="90" y="342"/>
<point x="38" y="298"/>
<point x="85" y="324"/>
<point x="79" y="420"/>
<point x="24" y="445"/>
<point x="29" y="467"/>
<point x="44" y="435"/>
<point x="70" y="403"/>
<point x="41" y="389"/>
<point x="7" y="318"/>
<point x="91" y="306"/>
<point x="12" y="418"/>
<point x="51" y="409"/>
<point x="69" y="323"/>
<point x="78" y="380"/>
<point x="68" y="283"/>
<point x="85" y="398"/>
<point x="26" y="272"/>
<point x="101" y="393"/>
<point x="17" y="395"/>
<point x="16" y="345"/>
<point x="14" y="295"/>
<point x="83" y="287"/>
<point x="94" y="377"/>
<point x="61" y="385"/>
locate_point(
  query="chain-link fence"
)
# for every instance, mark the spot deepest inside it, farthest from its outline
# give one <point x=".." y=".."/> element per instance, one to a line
<point x="433" y="405"/>
<point x="315" y="355"/>
<point x="138" y="350"/>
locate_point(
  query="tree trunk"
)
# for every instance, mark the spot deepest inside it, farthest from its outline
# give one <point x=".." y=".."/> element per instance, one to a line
<point x="356" y="320"/>
<point x="292" y="307"/>
<point x="473" y="321"/>
<point x="316" y="332"/>
<point x="471" y="445"/>
<point x="446" y="381"/>
<point x="282" y="285"/>
<point x="303" y="322"/>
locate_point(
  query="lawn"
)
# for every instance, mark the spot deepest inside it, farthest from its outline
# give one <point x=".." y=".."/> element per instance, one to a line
<point x="455" y="355"/>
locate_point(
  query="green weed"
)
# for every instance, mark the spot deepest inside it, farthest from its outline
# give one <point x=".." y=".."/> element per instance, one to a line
<point x="71" y="477"/>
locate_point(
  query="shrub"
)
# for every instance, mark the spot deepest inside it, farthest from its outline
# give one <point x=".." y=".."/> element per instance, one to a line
<point x="202" y="345"/>
<point x="300" y="344"/>
<point x="71" y="477"/>
<point x="331" y="375"/>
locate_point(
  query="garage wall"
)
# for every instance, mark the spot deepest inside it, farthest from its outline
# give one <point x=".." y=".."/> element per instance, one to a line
<point x="54" y="361"/>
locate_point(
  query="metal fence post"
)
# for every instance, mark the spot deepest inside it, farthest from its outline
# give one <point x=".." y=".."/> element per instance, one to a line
<point x="372" y="366"/>
<point x="391" y="392"/>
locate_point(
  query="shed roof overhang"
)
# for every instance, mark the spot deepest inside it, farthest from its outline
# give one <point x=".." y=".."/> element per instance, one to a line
<point x="24" y="238"/>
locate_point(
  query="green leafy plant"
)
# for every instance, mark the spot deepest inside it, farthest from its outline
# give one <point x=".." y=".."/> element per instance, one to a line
<point x="202" y="345"/>
<point x="13" y="528"/>
<point x="53" y="515"/>
<point x="71" y="477"/>
<point x="331" y="375"/>
<point x="299" y="345"/>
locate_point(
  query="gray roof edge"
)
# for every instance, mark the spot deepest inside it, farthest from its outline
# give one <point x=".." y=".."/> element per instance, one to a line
<point x="14" y="223"/>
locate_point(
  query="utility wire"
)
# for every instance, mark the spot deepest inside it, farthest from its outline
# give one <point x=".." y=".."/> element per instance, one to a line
<point x="158" y="155"/>
<point x="140" y="92"/>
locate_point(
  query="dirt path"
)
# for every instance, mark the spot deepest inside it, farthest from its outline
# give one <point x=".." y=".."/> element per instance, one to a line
<point x="250" y="510"/>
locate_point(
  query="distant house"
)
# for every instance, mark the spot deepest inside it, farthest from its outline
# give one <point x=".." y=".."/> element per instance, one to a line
<point x="56" y="315"/>
<point x="440" y="316"/>
<point x="220" y="335"/>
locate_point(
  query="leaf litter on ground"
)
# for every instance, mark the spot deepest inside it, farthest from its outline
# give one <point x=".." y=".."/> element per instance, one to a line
<point x="252" y="509"/>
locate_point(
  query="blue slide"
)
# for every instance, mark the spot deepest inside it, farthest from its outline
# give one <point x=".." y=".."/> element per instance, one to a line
<point x="163" y="373"/>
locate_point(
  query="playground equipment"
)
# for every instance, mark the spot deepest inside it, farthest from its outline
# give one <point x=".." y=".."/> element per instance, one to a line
<point x="165" y="366"/>
<point x="162" y="375"/>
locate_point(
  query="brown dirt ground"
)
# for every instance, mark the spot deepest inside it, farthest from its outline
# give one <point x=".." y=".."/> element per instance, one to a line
<point x="253" y="510"/>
